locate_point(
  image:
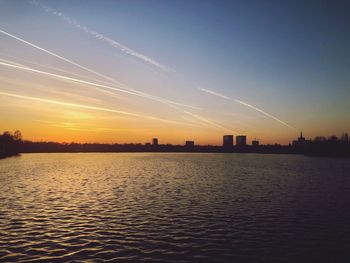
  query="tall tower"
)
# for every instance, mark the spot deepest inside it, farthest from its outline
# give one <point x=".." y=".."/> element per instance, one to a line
<point x="227" y="141"/>
<point x="155" y="141"/>
<point x="241" y="140"/>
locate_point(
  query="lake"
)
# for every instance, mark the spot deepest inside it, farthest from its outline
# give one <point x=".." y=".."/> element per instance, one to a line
<point x="174" y="207"/>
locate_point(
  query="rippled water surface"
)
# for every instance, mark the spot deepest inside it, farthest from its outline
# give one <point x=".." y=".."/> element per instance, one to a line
<point x="174" y="208"/>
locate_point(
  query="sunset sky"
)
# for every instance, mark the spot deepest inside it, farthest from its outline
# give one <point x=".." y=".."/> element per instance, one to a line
<point x="128" y="71"/>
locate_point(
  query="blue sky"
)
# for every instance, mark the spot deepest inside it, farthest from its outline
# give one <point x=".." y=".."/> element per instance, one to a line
<point x="289" y="59"/>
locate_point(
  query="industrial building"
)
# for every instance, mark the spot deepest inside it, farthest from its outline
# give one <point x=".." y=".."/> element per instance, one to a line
<point x="255" y="142"/>
<point x="155" y="141"/>
<point x="189" y="144"/>
<point x="227" y="141"/>
<point x="241" y="140"/>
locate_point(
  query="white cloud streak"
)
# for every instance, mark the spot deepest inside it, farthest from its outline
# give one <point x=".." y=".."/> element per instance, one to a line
<point x="201" y="120"/>
<point x="74" y="80"/>
<point x="124" y="49"/>
<point x="57" y="56"/>
<point x="123" y="87"/>
<point x="211" y="123"/>
<point x="264" y="112"/>
<point x="82" y="106"/>
<point x="165" y="101"/>
<point x="247" y="105"/>
<point x="52" y="68"/>
<point x="214" y="93"/>
<point x="128" y="91"/>
<point x="195" y="116"/>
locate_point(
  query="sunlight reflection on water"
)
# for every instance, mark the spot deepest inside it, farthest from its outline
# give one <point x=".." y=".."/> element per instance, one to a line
<point x="174" y="207"/>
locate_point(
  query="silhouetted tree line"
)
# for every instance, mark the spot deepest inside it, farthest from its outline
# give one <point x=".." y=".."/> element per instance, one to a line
<point x="331" y="146"/>
<point x="29" y="147"/>
<point x="10" y="144"/>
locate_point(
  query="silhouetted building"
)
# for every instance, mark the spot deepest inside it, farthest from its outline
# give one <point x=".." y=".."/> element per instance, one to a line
<point x="345" y="138"/>
<point x="241" y="140"/>
<point x="301" y="141"/>
<point x="255" y="142"/>
<point x="189" y="144"/>
<point x="13" y="144"/>
<point x="155" y="141"/>
<point x="227" y="141"/>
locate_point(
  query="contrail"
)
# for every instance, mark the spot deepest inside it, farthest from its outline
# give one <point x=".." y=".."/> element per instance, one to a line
<point x="247" y="105"/>
<point x="145" y="95"/>
<point x="129" y="91"/>
<point x="263" y="112"/>
<point x="51" y="67"/>
<point x="16" y="66"/>
<point x="57" y="56"/>
<point x="21" y="65"/>
<point x="98" y="86"/>
<point x="94" y="84"/>
<point x="11" y="62"/>
<point x="208" y="121"/>
<point x="111" y="42"/>
<point x="82" y="106"/>
<point x="201" y="119"/>
<point x="214" y="93"/>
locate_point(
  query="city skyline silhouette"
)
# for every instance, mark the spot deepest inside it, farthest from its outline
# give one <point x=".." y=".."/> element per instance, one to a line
<point x="14" y="144"/>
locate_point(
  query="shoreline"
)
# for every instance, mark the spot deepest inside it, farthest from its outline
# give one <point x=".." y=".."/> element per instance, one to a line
<point x="180" y="152"/>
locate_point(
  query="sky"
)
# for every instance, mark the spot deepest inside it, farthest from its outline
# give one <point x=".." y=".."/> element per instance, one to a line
<point x="128" y="71"/>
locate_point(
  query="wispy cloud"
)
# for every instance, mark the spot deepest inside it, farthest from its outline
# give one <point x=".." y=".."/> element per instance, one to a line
<point x="200" y="119"/>
<point x="214" y="93"/>
<point x="124" y="49"/>
<point x="101" y="87"/>
<point x="98" y="86"/>
<point x="88" y="107"/>
<point x="57" y="56"/>
<point x="247" y="105"/>
<point x="78" y="127"/>
<point x="52" y="68"/>
<point x="13" y="65"/>
<point x="264" y="112"/>
<point x="120" y="85"/>
<point x="205" y="120"/>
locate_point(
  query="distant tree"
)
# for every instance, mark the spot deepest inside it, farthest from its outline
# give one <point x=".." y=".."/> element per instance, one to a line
<point x="6" y="138"/>
<point x="320" y="139"/>
<point x="17" y="135"/>
<point x="7" y="134"/>
<point x="10" y="144"/>
<point x="333" y="138"/>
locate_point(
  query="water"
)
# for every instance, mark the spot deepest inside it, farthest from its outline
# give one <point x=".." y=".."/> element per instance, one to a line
<point x="174" y="208"/>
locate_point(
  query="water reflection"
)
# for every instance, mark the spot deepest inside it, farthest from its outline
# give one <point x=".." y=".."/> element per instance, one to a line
<point x="174" y="207"/>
